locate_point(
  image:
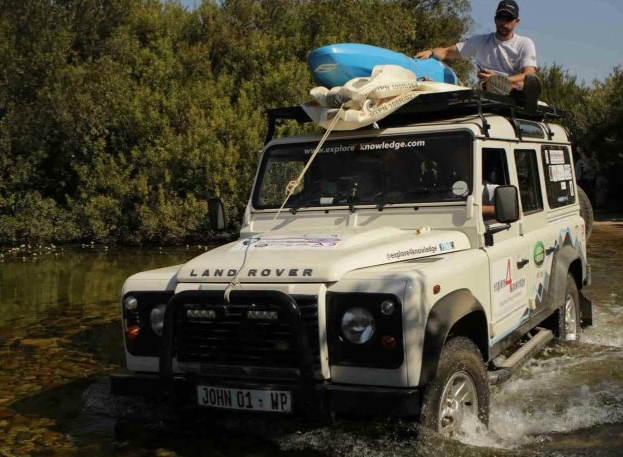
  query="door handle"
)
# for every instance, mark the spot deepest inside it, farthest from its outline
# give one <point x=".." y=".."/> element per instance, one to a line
<point x="522" y="263"/>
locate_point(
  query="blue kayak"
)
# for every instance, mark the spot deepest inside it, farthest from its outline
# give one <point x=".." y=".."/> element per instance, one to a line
<point x="336" y="64"/>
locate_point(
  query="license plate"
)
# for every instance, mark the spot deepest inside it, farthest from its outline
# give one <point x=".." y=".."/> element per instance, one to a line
<point x="276" y="401"/>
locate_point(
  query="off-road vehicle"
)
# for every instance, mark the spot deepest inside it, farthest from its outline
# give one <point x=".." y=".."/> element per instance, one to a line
<point x="382" y="285"/>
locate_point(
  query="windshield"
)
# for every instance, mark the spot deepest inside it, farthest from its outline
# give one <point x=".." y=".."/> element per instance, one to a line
<point x="376" y="171"/>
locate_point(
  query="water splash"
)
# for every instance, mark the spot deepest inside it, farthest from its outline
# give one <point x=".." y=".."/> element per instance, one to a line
<point x="558" y="394"/>
<point x="607" y="324"/>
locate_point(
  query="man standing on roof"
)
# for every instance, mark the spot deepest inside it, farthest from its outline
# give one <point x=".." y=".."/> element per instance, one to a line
<point x="506" y="61"/>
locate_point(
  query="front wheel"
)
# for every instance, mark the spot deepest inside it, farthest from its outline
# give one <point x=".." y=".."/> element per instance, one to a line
<point x="461" y="388"/>
<point x="569" y="314"/>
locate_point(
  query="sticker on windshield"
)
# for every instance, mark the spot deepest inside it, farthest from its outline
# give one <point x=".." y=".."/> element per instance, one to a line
<point x="460" y="188"/>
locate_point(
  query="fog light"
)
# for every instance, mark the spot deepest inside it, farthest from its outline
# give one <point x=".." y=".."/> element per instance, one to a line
<point x="132" y="332"/>
<point x="201" y="314"/>
<point x="263" y="315"/>
<point x="389" y="342"/>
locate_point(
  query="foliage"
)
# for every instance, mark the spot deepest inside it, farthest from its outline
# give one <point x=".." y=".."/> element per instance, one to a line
<point x="561" y="90"/>
<point x="119" y="119"/>
<point x="601" y="120"/>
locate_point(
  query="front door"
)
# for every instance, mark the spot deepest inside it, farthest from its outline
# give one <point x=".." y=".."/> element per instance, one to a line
<point x="509" y="267"/>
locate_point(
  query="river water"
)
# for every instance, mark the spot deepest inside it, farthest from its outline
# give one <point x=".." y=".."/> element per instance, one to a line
<point x="60" y="338"/>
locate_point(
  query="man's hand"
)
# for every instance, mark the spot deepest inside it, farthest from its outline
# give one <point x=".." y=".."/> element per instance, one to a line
<point x="427" y="54"/>
<point x="484" y="75"/>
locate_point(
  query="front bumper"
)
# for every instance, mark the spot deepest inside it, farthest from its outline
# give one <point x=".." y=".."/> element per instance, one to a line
<point x="323" y="399"/>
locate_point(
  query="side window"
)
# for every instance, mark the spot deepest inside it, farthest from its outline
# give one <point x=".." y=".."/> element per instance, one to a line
<point x="494" y="173"/>
<point x="494" y="166"/>
<point x="558" y="176"/>
<point x="529" y="183"/>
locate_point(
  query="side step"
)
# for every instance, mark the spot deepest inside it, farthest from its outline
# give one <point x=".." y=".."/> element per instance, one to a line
<point x="505" y="369"/>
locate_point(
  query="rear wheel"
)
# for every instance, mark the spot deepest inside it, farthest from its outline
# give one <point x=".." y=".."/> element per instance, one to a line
<point x="460" y="389"/>
<point x="569" y="314"/>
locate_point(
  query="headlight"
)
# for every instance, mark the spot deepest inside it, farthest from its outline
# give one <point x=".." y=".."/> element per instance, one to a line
<point x="358" y="325"/>
<point x="156" y="318"/>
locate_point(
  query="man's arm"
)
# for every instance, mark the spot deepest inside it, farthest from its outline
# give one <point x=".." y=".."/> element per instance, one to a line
<point x="516" y="80"/>
<point x="488" y="212"/>
<point x="449" y="53"/>
<point x="519" y="77"/>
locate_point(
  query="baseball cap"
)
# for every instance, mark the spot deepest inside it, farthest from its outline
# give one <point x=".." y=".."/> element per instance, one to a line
<point x="509" y="7"/>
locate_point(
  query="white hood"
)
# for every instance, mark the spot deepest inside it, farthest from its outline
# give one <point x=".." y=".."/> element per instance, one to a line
<point x="316" y="256"/>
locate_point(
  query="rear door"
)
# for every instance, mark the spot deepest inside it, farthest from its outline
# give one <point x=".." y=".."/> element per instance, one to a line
<point x="562" y="225"/>
<point x="533" y="224"/>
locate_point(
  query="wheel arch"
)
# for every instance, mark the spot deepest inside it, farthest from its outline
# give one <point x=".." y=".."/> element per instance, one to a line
<point x="566" y="260"/>
<point x="457" y="314"/>
<point x="575" y="268"/>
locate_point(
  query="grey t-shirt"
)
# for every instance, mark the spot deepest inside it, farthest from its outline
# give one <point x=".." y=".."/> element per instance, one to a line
<point x="503" y="57"/>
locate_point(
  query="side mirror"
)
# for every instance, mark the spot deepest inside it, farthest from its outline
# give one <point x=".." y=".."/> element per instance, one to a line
<point x="216" y="214"/>
<point x="506" y="201"/>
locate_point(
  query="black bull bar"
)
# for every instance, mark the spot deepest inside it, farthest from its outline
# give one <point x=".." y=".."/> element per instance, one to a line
<point x="285" y="302"/>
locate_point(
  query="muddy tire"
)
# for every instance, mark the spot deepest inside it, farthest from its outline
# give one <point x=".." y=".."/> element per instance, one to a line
<point x="461" y="387"/>
<point x="569" y="314"/>
<point x="586" y="211"/>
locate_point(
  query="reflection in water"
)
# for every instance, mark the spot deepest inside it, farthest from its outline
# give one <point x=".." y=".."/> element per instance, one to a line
<point x="59" y="329"/>
<point x="60" y="336"/>
<point x="89" y="278"/>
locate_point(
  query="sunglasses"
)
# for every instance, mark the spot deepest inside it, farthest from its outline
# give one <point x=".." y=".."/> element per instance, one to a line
<point x="504" y="17"/>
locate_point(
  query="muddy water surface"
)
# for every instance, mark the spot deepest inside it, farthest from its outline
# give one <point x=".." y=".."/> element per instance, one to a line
<point x="60" y="338"/>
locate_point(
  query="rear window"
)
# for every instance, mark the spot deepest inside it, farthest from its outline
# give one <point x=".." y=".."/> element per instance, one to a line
<point x="558" y="176"/>
<point x="527" y="163"/>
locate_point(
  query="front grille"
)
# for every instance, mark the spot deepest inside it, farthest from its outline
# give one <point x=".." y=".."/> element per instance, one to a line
<point x="225" y="335"/>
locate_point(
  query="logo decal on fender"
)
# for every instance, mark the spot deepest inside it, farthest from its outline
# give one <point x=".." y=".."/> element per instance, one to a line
<point x="539" y="254"/>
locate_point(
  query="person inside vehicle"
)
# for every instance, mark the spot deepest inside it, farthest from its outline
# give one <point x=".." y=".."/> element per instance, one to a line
<point x="429" y="173"/>
<point x="489" y="184"/>
<point x="506" y="61"/>
<point x="492" y="176"/>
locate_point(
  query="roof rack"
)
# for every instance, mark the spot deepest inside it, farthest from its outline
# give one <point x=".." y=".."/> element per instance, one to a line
<point x="438" y="106"/>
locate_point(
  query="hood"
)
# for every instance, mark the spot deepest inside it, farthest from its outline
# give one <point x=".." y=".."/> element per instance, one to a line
<point x="316" y="255"/>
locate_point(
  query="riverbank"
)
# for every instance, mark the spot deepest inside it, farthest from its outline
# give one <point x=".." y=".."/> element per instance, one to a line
<point x="607" y="224"/>
<point x="607" y="217"/>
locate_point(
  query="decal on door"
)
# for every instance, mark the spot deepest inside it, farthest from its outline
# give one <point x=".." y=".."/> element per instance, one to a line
<point x="509" y="291"/>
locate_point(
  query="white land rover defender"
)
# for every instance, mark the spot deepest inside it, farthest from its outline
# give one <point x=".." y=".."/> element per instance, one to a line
<point x="384" y="285"/>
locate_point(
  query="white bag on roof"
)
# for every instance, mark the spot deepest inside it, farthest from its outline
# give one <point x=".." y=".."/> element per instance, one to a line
<point x="367" y="100"/>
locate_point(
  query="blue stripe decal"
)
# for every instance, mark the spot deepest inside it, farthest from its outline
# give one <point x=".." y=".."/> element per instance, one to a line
<point x="523" y="319"/>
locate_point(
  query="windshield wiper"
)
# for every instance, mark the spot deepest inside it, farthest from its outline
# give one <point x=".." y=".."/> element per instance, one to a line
<point x="380" y="197"/>
<point x="427" y="190"/>
<point x="303" y="203"/>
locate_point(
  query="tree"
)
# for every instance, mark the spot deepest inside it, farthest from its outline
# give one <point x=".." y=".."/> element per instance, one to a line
<point x="120" y="118"/>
